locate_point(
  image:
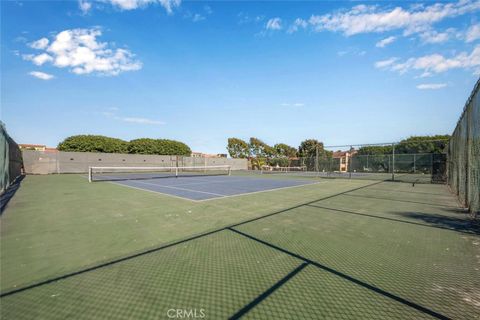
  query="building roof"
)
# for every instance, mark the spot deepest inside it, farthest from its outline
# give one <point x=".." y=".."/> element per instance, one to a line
<point x="339" y="153"/>
<point x="26" y="145"/>
<point x="209" y="155"/>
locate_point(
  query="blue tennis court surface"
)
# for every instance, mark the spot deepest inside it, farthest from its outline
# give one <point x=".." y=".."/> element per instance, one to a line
<point x="210" y="187"/>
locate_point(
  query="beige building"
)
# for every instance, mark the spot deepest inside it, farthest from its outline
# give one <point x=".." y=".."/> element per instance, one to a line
<point x="36" y="147"/>
<point x="208" y="155"/>
<point x="344" y="158"/>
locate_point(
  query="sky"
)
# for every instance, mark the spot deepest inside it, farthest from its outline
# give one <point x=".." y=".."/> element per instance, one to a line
<point x="201" y="72"/>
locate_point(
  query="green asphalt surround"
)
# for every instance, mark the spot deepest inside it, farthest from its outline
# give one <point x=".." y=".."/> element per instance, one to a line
<point x="50" y="229"/>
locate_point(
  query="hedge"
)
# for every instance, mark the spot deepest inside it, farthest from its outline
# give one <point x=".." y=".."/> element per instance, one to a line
<point x="92" y="143"/>
<point x="95" y="143"/>
<point x="159" y="146"/>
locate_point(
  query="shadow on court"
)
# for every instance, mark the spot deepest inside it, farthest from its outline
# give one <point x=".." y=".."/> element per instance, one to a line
<point x="8" y="195"/>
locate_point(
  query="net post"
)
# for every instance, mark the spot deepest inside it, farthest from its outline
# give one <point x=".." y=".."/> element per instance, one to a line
<point x="89" y="174"/>
<point x="176" y="171"/>
<point x="229" y="170"/>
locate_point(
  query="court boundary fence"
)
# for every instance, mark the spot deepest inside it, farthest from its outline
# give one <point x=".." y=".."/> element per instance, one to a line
<point x="405" y="161"/>
<point x="11" y="160"/>
<point x="464" y="155"/>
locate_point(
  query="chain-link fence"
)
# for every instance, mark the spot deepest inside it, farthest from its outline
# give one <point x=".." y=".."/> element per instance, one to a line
<point x="464" y="155"/>
<point x="414" y="162"/>
<point x="11" y="160"/>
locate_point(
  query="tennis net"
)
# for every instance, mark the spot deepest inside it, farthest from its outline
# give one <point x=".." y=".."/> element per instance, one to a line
<point x="270" y="169"/>
<point x="146" y="173"/>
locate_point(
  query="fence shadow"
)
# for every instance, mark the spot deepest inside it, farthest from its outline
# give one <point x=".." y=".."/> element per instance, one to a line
<point x="463" y="224"/>
<point x="9" y="193"/>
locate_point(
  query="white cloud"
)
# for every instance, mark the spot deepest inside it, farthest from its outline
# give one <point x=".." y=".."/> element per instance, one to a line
<point x="141" y="120"/>
<point x="425" y="74"/>
<point x="84" y="6"/>
<point x="473" y="33"/>
<point x="432" y="36"/>
<point x="20" y="39"/>
<point x="296" y="104"/>
<point x="352" y="51"/>
<point x="274" y="24"/>
<point x="434" y="63"/>
<point x="244" y="18"/>
<point x="431" y="86"/>
<point x="41" y="75"/>
<point x="112" y="114"/>
<point x="168" y="5"/>
<point x="41" y="59"/>
<point x="385" y="42"/>
<point x="297" y="24"/>
<point x="385" y="63"/>
<point x="39" y="44"/>
<point x="79" y="50"/>
<point x="197" y="17"/>
<point x="365" y="19"/>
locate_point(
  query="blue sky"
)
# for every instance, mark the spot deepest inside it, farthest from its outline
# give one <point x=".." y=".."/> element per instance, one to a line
<point x="200" y="72"/>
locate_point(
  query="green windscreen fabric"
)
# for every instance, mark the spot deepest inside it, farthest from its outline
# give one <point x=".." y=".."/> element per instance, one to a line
<point x="10" y="160"/>
<point x="464" y="154"/>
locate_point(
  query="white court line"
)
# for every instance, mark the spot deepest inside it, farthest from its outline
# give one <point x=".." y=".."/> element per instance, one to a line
<point x="168" y="194"/>
<point x="156" y="192"/>
<point x="269" y="190"/>
<point x="303" y="182"/>
<point x="212" y="182"/>
<point x="216" y="198"/>
<point x="185" y="189"/>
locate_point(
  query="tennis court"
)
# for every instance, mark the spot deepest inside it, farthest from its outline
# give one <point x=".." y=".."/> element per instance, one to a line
<point x="326" y="248"/>
<point x="198" y="184"/>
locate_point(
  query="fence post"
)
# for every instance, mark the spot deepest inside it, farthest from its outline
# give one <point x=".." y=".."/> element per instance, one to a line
<point x="393" y="161"/>
<point x="431" y="164"/>
<point x="414" y="163"/>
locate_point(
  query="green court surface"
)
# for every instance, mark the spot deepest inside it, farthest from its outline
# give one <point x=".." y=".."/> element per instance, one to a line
<point x="337" y="249"/>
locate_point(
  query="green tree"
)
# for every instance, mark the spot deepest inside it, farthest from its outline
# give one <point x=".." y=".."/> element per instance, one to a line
<point x="279" y="162"/>
<point x="158" y="146"/>
<point x="415" y="144"/>
<point x="284" y="150"/>
<point x="423" y="144"/>
<point x="237" y="148"/>
<point x="375" y="150"/>
<point x="308" y="148"/>
<point x="259" y="149"/>
<point x="93" y="143"/>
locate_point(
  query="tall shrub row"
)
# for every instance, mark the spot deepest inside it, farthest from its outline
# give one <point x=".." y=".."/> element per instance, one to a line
<point x="96" y="143"/>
